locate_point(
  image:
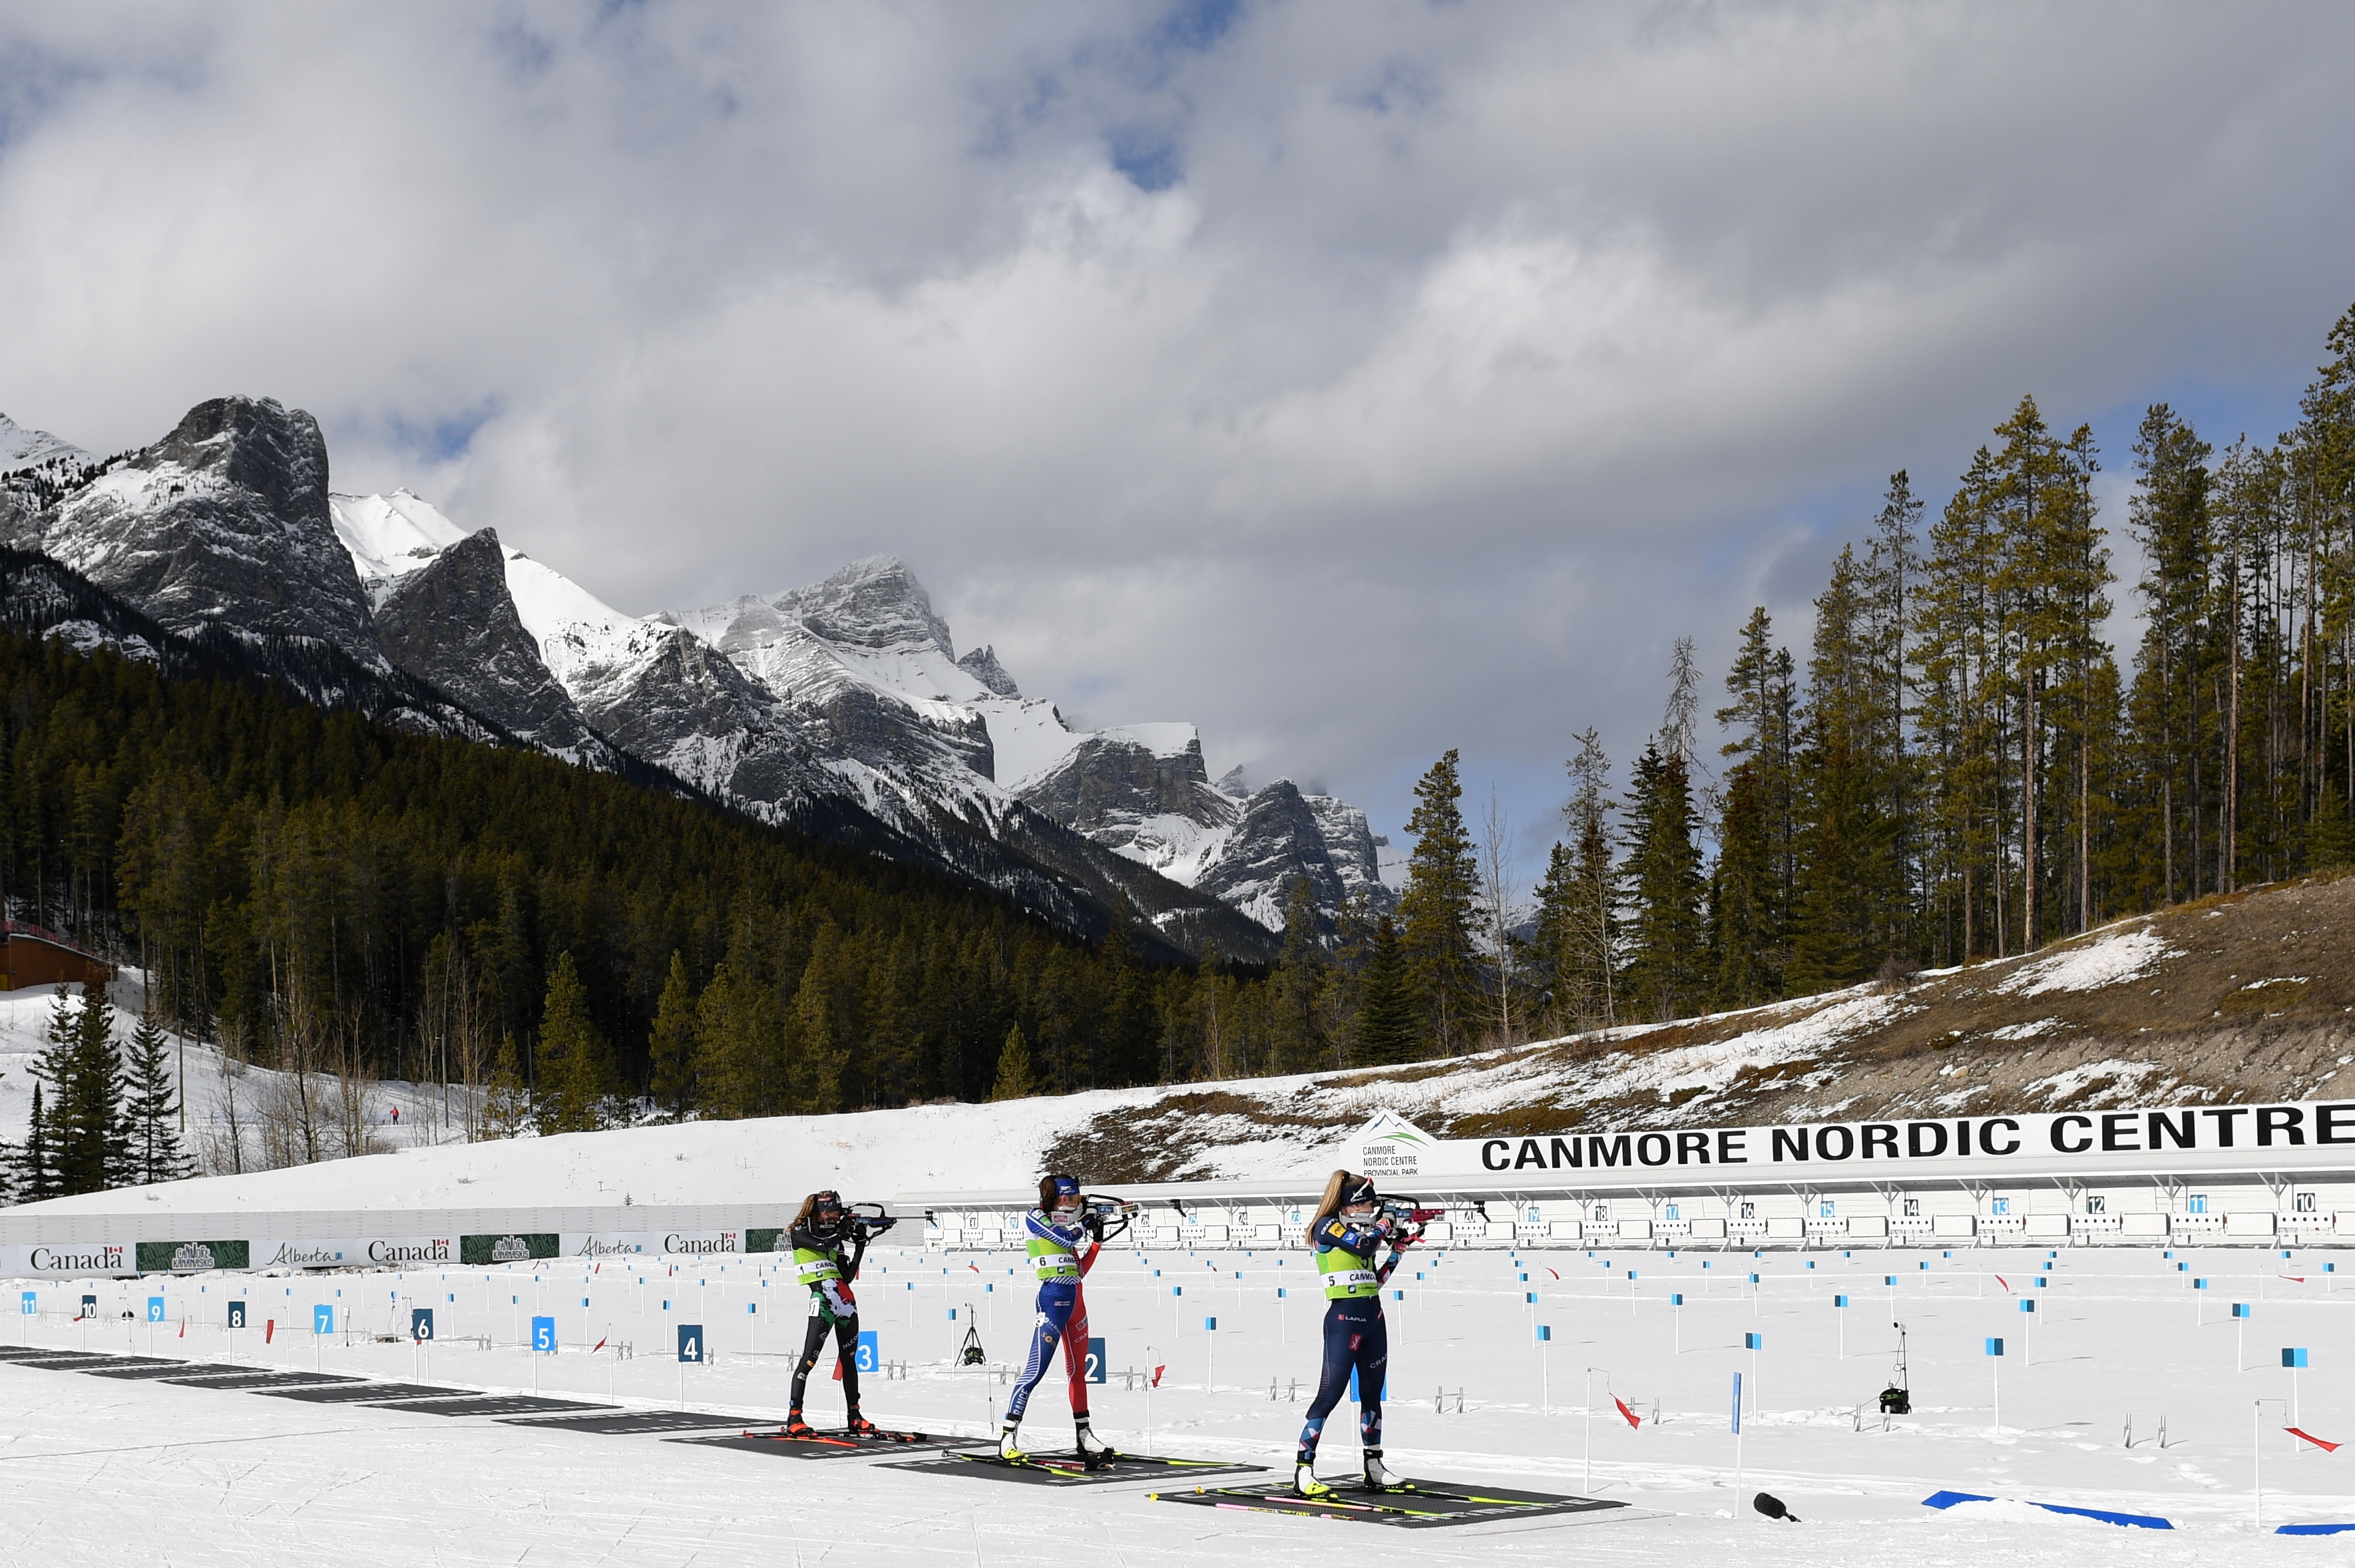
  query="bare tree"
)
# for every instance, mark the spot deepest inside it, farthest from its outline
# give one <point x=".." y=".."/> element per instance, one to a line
<point x="1500" y="872"/>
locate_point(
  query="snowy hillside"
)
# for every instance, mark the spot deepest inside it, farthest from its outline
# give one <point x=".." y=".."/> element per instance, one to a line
<point x="2251" y="997"/>
<point x="22" y="448"/>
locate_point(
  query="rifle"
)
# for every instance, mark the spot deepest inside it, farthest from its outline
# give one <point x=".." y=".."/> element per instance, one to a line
<point x="1409" y="1216"/>
<point x="1106" y="1218"/>
<point x="868" y="1221"/>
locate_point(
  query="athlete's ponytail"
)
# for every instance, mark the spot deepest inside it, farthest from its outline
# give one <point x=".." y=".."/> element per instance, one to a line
<point x="1331" y="1203"/>
<point x="801" y="1216"/>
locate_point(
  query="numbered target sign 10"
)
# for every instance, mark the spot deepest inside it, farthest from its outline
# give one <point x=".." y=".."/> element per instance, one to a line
<point x="1097" y="1360"/>
<point x="690" y="1342"/>
<point x="543" y="1336"/>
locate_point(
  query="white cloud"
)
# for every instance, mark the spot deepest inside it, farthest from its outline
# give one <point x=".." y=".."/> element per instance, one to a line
<point x="1455" y="362"/>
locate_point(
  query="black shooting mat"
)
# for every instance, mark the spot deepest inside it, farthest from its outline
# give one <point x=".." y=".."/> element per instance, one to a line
<point x="1065" y="1469"/>
<point x="625" y="1422"/>
<point x="1420" y="1505"/>
<point x="65" y="1360"/>
<point x="831" y="1444"/>
<point x="493" y="1404"/>
<point x="336" y="1393"/>
<point x="161" y="1370"/>
<point x="251" y="1378"/>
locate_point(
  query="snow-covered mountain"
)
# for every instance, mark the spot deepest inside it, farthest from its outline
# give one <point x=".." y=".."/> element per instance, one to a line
<point x="21" y="448"/>
<point x="841" y="708"/>
<point x="864" y="655"/>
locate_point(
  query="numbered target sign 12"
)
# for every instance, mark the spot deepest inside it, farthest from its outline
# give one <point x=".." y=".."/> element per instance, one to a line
<point x="690" y="1342"/>
<point x="1096" y="1360"/>
<point x="543" y="1335"/>
<point x="868" y="1356"/>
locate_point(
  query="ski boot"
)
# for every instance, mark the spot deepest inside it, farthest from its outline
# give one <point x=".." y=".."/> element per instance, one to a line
<point x="859" y="1426"/>
<point x="1007" y="1448"/>
<point x="1379" y="1479"/>
<point x="795" y="1426"/>
<point x="1306" y="1484"/>
<point x="1094" y="1452"/>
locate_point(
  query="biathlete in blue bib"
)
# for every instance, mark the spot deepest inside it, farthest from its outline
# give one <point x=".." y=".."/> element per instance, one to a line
<point x="1348" y="1234"/>
<point x="1064" y="1235"/>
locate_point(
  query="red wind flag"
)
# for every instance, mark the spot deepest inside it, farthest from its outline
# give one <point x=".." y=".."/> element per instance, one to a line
<point x="268" y="1329"/>
<point x="597" y="1347"/>
<point x="1632" y="1419"/>
<point x="2005" y="1283"/>
<point x="1156" y="1375"/>
<point x="2310" y="1437"/>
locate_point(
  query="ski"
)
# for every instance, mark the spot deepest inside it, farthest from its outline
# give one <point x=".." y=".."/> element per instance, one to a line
<point x="877" y="1439"/>
<point x="1415" y="1505"/>
<point x="1334" y="1505"/>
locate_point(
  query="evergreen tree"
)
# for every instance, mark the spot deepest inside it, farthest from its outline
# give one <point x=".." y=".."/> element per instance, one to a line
<point x="1584" y="903"/>
<point x="1298" y="1043"/>
<point x="88" y="1146"/>
<point x="1661" y="873"/>
<point x="1437" y="914"/>
<point x="670" y="1051"/>
<point x="1014" y="1080"/>
<point x="1742" y="889"/>
<point x="1386" y="1028"/>
<point x="576" y="1065"/>
<point x="507" y="1104"/>
<point x="819" y="1034"/>
<point x="1851" y="895"/>
<point x="153" y="1110"/>
<point x="35" y="1174"/>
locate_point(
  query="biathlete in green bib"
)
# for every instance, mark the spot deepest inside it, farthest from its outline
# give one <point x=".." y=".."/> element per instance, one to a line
<point x="829" y="1245"/>
<point x="1349" y="1234"/>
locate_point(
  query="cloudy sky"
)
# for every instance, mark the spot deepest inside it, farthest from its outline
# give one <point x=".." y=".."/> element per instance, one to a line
<point x="1356" y="379"/>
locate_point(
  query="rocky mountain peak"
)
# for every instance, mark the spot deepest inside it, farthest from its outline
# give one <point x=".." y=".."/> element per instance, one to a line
<point x="257" y="445"/>
<point x="983" y="664"/>
<point x="224" y="521"/>
<point x="875" y="603"/>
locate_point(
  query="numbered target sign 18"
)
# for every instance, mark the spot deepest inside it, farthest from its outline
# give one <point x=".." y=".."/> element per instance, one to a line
<point x="690" y="1342"/>
<point x="543" y="1335"/>
<point x="420" y="1324"/>
<point x="1096" y="1359"/>
<point x="868" y="1356"/>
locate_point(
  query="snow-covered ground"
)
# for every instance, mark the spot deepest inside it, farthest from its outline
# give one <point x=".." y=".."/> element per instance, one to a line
<point x="23" y="1030"/>
<point x="198" y="1476"/>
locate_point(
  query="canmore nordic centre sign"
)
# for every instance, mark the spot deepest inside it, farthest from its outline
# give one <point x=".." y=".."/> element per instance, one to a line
<point x="2220" y="1139"/>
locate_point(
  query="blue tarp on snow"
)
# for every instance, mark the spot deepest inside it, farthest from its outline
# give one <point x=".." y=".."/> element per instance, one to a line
<point x="2107" y="1516"/>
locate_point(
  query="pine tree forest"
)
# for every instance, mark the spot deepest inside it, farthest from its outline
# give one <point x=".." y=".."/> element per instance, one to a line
<point x="1956" y="767"/>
